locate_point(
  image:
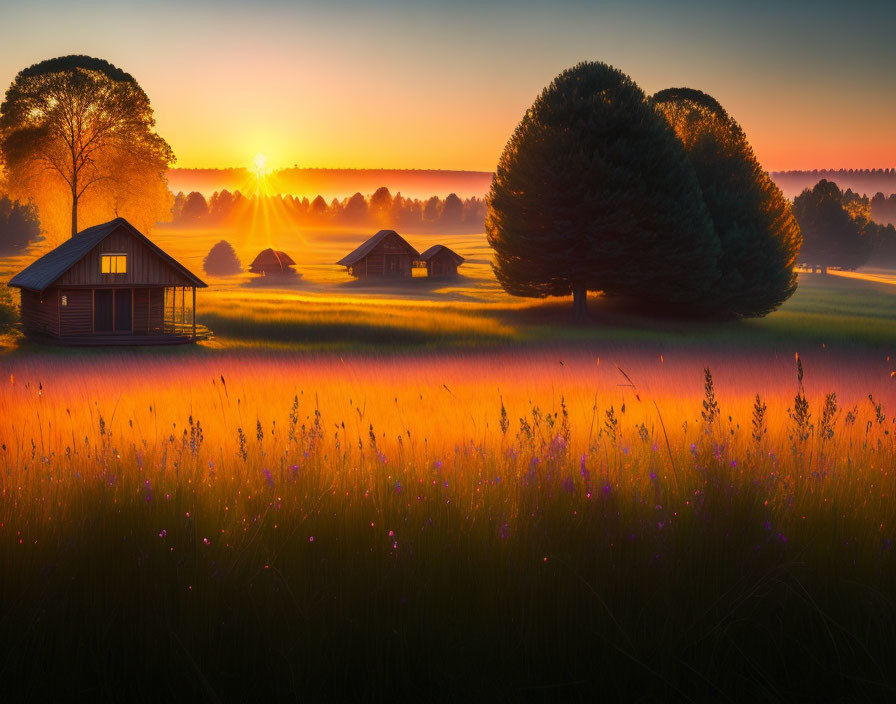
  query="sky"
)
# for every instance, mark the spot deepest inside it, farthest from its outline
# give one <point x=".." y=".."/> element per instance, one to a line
<point x="441" y="85"/>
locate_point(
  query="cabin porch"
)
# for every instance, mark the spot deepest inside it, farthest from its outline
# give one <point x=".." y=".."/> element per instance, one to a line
<point x="118" y="315"/>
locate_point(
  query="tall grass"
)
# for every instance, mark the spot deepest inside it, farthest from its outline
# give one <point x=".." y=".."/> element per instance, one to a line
<point x="344" y="528"/>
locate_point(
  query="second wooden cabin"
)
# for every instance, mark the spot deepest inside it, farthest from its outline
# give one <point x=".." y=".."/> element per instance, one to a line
<point x="385" y="255"/>
<point x="441" y="262"/>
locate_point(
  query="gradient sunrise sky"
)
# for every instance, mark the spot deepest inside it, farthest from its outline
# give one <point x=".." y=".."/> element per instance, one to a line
<point x="399" y="84"/>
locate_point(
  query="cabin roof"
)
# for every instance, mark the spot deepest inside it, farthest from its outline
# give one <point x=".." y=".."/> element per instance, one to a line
<point x="41" y="273"/>
<point x="369" y="246"/>
<point x="270" y="256"/>
<point x="438" y="249"/>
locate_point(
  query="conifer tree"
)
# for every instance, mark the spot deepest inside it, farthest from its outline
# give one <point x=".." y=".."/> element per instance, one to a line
<point x="594" y="192"/>
<point x="758" y="234"/>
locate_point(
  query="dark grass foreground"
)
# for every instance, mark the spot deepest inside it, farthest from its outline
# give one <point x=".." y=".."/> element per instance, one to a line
<point x="557" y="557"/>
<point x="297" y="585"/>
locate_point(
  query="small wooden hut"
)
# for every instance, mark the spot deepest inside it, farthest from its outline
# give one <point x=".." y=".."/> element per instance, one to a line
<point x="385" y="255"/>
<point x="441" y="262"/>
<point x="270" y="261"/>
<point x="107" y="285"/>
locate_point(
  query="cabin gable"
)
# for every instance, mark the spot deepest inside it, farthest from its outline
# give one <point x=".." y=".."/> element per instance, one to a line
<point x="143" y="265"/>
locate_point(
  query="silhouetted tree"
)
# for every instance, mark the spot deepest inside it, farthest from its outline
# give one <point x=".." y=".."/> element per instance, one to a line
<point x="381" y="205"/>
<point x="221" y="260"/>
<point x="452" y="211"/>
<point x="19" y="225"/>
<point x="195" y="207"/>
<point x="831" y="236"/>
<point x="432" y="209"/>
<point x="318" y="207"/>
<point x="177" y="206"/>
<point x="87" y="126"/>
<point x="355" y="210"/>
<point x="883" y="208"/>
<point x="220" y="205"/>
<point x="758" y="234"/>
<point x="594" y="192"/>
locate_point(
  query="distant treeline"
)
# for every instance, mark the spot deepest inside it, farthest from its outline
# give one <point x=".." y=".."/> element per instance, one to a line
<point x="876" y="243"/>
<point x="883" y="209"/>
<point x="868" y="181"/>
<point x="381" y="209"/>
<point x="334" y="183"/>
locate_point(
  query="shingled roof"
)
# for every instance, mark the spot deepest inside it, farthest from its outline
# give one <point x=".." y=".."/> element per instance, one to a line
<point x="438" y="249"/>
<point x="43" y="272"/>
<point x="370" y="244"/>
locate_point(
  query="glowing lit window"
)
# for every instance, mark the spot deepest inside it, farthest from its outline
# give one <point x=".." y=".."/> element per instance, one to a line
<point x="113" y="263"/>
<point x="64" y="300"/>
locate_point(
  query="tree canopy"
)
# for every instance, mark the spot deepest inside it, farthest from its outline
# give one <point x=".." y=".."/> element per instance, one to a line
<point x="832" y="236"/>
<point x="80" y="131"/>
<point x="595" y="192"/>
<point x="758" y="234"/>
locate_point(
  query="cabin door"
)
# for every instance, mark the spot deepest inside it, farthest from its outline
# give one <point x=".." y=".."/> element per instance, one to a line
<point x="393" y="265"/>
<point x="123" y="309"/>
<point x="102" y="310"/>
<point x="112" y="310"/>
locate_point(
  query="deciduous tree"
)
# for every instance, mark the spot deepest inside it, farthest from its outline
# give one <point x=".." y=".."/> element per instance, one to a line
<point x="80" y="127"/>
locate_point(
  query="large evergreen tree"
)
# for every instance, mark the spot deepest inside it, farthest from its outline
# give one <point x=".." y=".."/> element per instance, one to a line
<point x="754" y="222"/>
<point x="594" y="192"/>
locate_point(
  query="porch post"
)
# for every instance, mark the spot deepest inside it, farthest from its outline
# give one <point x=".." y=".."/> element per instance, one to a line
<point x="183" y="305"/>
<point x="194" y="313"/>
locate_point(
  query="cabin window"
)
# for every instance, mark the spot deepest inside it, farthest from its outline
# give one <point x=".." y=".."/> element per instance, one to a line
<point x="64" y="301"/>
<point x="113" y="263"/>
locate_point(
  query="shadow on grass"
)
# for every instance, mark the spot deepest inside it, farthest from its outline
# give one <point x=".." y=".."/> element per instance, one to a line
<point x="323" y="332"/>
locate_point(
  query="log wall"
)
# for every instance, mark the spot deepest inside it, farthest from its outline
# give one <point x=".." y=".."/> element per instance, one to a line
<point x="40" y="312"/>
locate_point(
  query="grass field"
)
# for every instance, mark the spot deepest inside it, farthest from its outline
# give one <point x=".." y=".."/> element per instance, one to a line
<point x="443" y="493"/>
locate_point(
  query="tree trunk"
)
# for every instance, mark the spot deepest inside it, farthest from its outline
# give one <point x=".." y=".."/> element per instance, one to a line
<point x="824" y="269"/>
<point x="74" y="212"/>
<point x="580" y="303"/>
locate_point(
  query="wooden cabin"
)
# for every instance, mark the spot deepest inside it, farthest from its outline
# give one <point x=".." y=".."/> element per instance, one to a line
<point x="270" y="261"/>
<point x="441" y="262"/>
<point x="109" y="284"/>
<point x="385" y="255"/>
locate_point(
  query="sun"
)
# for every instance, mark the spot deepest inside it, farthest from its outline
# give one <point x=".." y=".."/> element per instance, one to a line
<point x="260" y="164"/>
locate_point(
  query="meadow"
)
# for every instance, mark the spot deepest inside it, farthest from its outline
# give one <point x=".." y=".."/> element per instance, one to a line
<point x="437" y="492"/>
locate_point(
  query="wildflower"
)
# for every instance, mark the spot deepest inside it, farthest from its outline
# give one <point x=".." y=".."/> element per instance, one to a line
<point x="206" y="541"/>
<point x="163" y="533"/>
<point x="310" y="538"/>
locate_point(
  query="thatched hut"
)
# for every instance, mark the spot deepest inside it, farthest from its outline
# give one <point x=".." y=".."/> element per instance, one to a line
<point x="270" y="261"/>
